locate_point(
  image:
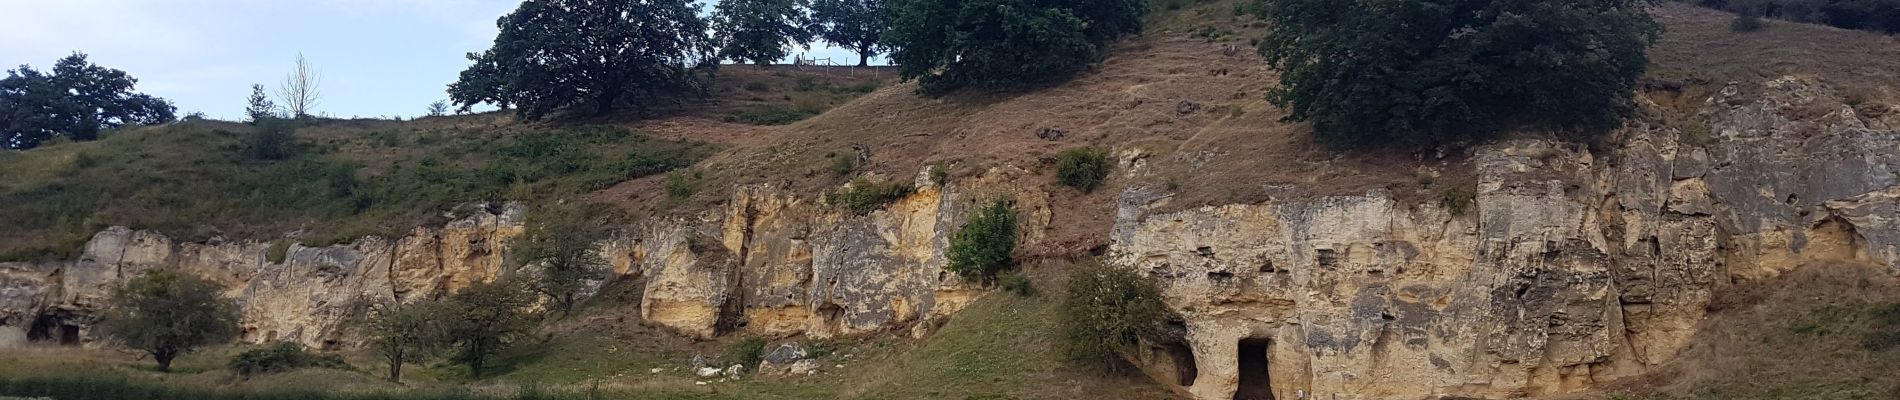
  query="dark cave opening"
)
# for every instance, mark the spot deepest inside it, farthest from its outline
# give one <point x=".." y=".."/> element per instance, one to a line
<point x="1255" y="381"/>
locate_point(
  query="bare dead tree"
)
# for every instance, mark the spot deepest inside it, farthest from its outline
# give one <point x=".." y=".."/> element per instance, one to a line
<point x="299" y="91"/>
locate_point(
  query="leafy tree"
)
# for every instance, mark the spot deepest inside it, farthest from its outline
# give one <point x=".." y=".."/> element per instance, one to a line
<point x="560" y="239"/>
<point x="760" y="31"/>
<point x="552" y="54"/>
<point x="261" y="108"/>
<point x="985" y="244"/>
<point x="405" y="333"/>
<point x="167" y="314"/>
<point x="858" y="25"/>
<point x="1083" y="168"/>
<point x="77" y="99"/>
<point x="1428" y="72"/>
<point x="484" y="319"/>
<point x="438" y="108"/>
<point x="950" y="44"/>
<point x="1109" y="310"/>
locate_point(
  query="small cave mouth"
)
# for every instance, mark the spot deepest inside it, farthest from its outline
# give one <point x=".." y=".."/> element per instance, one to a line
<point x="1256" y="381"/>
<point x="52" y="328"/>
<point x="1185" y="370"/>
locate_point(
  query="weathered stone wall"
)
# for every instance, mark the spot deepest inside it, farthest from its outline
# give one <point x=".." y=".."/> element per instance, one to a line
<point x="1569" y="269"/>
<point x="769" y="262"/>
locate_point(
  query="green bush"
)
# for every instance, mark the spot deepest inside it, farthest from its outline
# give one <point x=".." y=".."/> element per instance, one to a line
<point x="940" y="174"/>
<point x="842" y="165"/>
<point x="772" y="115"/>
<point x="1083" y="169"/>
<point x="747" y="352"/>
<point x="1445" y="74"/>
<point x="1108" y="310"/>
<point x="1003" y="44"/>
<point x="681" y="185"/>
<point x="986" y="244"/>
<point x="278" y="251"/>
<point x="1457" y="200"/>
<point x="282" y="357"/>
<point x="863" y="196"/>
<point x="272" y="139"/>
<point x="1016" y="283"/>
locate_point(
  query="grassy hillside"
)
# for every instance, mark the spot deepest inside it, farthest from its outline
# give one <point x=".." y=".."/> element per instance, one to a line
<point x="195" y="180"/>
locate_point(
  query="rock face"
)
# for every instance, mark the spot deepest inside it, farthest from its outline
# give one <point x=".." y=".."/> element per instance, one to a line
<point x="1567" y="269"/>
<point x="769" y="263"/>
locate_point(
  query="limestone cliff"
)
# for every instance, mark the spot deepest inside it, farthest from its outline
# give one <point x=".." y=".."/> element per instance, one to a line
<point x="1570" y="268"/>
<point x="769" y="262"/>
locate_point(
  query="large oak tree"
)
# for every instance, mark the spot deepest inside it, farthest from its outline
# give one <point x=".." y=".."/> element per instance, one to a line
<point x="858" y="25"/>
<point x="77" y="99"/>
<point x="761" y="31"/>
<point x="552" y="54"/>
<point x="1003" y="44"/>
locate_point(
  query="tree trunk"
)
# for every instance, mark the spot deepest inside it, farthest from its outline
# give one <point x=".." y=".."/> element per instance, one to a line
<point x="395" y="369"/>
<point x="864" y="57"/>
<point x="164" y="361"/>
<point x="605" y="103"/>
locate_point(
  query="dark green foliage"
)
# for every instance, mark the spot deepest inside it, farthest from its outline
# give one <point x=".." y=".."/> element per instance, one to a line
<point x="858" y="25"/>
<point x="1747" y="19"/>
<point x="1457" y="200"/>
<point x="405" y="333"/>
<point x="278" y="251"/>
<point x="760" y="31"/>
<point x="77" y="99"/>
<point x="1003" y="44"/>
<point x="1109" y="310"/>
<point x="771" y="115"/>
<point x="986" y="244"/>
<point x="560" y="242"/>
<point x="272" y="139"/>
<point x="681" y="185"/>
<point x="1871" y="15"/>
<point x="1421" y="73"/>
<point x="842" y="165"/>
<point x="1016" y="283"/>
<point x="483" y="319"/>
<point x="1886" y="329"/>
<point x="747" y="352"/>
<point x="260" y="107"/>
<point x="282" y="357"/>
<point x="863" y="196"/>
<point x="1083" y="169"/>
<point x="552" y="54"/>
<point x="167" y="314"/>
<point x="940" y="174"/>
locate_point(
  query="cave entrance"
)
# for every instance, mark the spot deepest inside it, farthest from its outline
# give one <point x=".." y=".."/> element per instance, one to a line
<point x="1183" y="359"/>
<point x="1255" y="382"/>
<point x="50" y="328"/>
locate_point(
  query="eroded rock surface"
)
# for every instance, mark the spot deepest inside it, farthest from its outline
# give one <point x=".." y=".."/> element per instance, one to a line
<point x="1569" y="268"/>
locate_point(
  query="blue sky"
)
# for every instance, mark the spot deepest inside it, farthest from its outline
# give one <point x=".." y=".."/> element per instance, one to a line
<point x="377" y="57"/>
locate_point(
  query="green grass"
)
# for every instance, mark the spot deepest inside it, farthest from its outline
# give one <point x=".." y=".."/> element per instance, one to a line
<point x="195" y="180"/>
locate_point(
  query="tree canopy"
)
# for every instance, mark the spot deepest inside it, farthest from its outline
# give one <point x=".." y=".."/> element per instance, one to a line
<point x="1431" y="72"/>
<point x="552" y="54"/>
<point x="167" y="314"/>
<point x="76" y="99"/>
<point x="1001" y="44"/>
<point x="484" y="319"/>
<point x="858" y="25"/>
<point x="760" y="31"/>
<point x="560" y="240"/>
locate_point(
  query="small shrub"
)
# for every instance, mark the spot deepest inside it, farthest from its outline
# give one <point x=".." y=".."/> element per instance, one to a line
<point x="1016" y="283"/>
<point x="681" y="185"/>
<point x="863" y="196"/>
<point x="1748" y="20"/>
<point x="807" y="83"/>
<point x="748" y="352"/>
<point x="1108" y="310"/>
<point x="1457" y="200"/>
<point x="281" y="357"/>
<point x="772" y="115"/>
<point x="842" y="166"/>
<point x="1697" y="134"/>
<point x="1886" y="329"/>
<point x="940" y="174"/>
<point x="758" y="87"/>
<point x="272" y="139"/>
<point x="985" y="244"/>
<point x="278" y="251"/>
<point x="1083" y="168"/>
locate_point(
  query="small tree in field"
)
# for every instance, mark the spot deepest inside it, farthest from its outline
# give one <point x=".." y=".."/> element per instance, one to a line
<point x="405" y="333"/>
<point x="560" y="239"/>
<point x="1422" y="73"/>
<point x="985" y="244"/>
<point x="484" y="319"/>
<point x="260" y="108"/>
<point x="167" y="314"/>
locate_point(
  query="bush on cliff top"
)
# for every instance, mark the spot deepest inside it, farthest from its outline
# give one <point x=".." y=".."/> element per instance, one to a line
<point x="985" y="244"/>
